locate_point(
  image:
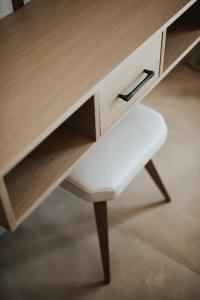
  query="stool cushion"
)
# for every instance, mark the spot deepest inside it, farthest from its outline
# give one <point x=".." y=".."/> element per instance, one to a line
<point x="105" y="171"/>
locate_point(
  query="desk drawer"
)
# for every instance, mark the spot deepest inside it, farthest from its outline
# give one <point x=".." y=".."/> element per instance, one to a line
<point x="129" y="76"/>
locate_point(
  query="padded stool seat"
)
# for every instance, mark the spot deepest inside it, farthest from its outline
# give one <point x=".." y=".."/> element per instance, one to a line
<point x="105" y="171"/>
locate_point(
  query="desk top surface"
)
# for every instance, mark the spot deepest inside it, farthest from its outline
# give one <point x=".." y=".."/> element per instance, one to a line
<point x="54" y="52"/>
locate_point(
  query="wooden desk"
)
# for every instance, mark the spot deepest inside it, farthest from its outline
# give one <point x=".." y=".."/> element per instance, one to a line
<point x="60" y="61"/>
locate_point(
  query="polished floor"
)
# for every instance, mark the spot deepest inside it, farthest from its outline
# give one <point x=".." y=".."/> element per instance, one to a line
<point x="155" y="247"/>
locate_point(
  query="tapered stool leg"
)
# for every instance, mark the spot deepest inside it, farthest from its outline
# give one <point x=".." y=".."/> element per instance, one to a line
<point x="151" y="169"/>
<point x="100" y="209"/>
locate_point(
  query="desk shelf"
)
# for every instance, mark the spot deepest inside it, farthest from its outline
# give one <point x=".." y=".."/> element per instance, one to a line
<point x="182" y="36"/>
<point x="46" y="166"/>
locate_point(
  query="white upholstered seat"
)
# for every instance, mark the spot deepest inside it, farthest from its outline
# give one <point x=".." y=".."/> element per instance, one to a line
<point x="118" y="156"/>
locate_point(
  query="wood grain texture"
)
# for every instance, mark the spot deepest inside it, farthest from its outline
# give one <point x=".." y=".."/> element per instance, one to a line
<point x="44" y="169"/>
<point x="66" y="52"/>
<point x="85" y="120"/>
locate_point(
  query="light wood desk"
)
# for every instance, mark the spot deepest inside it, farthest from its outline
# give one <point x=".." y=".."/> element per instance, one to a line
<point x="63" y="64"/>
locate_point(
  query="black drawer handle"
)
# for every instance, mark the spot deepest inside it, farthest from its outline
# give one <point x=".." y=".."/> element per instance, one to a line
<point x="128" y="97"/>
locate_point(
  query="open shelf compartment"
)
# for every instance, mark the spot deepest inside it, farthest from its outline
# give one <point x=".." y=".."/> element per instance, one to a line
<point x="47" y="165"/>
<point x="182" y="36"/>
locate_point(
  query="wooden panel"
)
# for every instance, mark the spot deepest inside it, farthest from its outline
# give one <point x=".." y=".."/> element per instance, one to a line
<point x="7" y="219"/>
<point x="44" y="169"/>
<point x="163" y="47"/>
<point x="125" y="77"/>
<point x="54" y="52"/>
<point x="3" y="219"/>
<point x="86" y="120"/>
<point x="47" y="166"/>
<point x="182" y="36"/>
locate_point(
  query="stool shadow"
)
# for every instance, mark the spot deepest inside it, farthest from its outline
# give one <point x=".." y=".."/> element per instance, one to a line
<point x="123" y="215"/>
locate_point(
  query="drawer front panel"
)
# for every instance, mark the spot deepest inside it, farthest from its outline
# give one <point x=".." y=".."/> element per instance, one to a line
<point x="127" y="77"/>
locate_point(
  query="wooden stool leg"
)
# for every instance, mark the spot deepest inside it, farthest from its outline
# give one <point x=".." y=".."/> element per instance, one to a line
<point x="156" y="178"/>
<point x="100" y="209"/>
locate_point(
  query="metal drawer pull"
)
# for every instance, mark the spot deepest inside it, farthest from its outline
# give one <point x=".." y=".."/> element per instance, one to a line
<point x="128" y="97"/>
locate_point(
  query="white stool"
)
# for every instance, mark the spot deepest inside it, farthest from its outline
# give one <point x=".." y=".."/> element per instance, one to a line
<point x="114" y="161"/>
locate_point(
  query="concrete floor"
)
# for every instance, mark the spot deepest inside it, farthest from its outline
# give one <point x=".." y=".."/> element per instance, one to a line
<point x="155" y="247"/>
